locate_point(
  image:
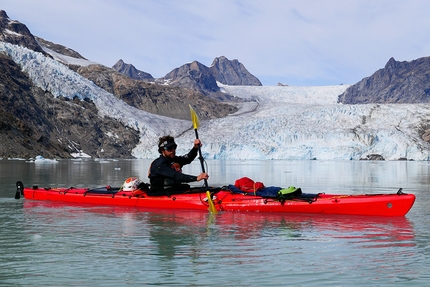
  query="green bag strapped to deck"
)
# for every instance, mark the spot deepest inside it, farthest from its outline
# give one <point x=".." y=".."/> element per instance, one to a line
<point x="288" y="193"/>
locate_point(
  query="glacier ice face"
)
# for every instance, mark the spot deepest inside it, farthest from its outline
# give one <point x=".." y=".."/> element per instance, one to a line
<point x="303" y="123"/>
<point x="282" y="122"/>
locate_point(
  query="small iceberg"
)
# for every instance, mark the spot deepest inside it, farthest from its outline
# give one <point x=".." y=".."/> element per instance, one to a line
<point x="80" y="155"/>
<point x="41" y="159"/>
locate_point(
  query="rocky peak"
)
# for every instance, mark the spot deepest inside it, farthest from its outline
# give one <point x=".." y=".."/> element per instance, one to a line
<point x="199" y="77"/>
<point x="14" y="32"/>
<point x="193" y="75"/>
<point x="398" y="82"/>
<point x="392" y="63"/>
<point x="130" y="71"/>
<point x="232" y="73"/>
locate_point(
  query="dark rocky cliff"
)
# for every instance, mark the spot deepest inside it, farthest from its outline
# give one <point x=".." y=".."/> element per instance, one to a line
<point x="398" y="82"/>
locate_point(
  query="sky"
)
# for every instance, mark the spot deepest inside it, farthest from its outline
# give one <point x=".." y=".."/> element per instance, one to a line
<point x="293" y="42"/>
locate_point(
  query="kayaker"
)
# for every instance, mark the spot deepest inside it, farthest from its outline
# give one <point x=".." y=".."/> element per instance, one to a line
<point x="165" y="173"/>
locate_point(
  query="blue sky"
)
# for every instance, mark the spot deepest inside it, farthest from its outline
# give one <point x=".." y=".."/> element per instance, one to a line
<point x="295" y="42"/>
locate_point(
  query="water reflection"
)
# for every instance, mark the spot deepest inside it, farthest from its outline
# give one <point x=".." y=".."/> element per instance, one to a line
<point x="56" y="244"/>
<point x="169" y="229"/>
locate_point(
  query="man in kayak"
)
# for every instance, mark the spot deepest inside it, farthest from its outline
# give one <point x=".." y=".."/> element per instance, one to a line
<point x="165" y="173"/>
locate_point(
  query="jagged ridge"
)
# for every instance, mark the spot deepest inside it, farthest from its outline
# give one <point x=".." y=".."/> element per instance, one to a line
<point x="398" y="82"/>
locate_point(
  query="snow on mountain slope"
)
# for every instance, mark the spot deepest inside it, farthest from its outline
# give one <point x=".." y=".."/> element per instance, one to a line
<point x="283" y="122"/>
<point x="58" y="79"/>
<point x="67" y="59"/>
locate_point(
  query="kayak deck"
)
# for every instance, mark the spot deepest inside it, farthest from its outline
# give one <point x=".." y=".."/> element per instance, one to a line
<point x="395" y="204"/>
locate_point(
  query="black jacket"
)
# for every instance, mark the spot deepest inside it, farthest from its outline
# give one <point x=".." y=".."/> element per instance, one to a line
<point x="166" y="173"/>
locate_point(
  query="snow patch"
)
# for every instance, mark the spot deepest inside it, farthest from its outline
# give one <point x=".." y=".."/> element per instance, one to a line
<point x="67" y="59"/>
<point x="12" y="33"/>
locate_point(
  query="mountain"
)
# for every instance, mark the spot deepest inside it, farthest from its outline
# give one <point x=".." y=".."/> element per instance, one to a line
<point x="232" y="73"/>
<point x="193" y="75"/>
<point x="398" y="82"/>
<point x="166" y="100"/>
<point x="198" y="77"/>
<point x="201" y="78"/>
<point x="130" y="71"/>
<point x="14" y="32"/>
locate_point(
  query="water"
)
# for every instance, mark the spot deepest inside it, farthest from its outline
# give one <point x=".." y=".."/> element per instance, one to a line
<point x="54" y="244"/>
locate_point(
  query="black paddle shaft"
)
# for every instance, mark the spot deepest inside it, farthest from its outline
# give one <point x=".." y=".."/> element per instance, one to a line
<point x="201" y="159"/>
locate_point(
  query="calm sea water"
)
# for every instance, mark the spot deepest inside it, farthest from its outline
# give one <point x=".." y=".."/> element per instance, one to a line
<point x="54" y="244"/>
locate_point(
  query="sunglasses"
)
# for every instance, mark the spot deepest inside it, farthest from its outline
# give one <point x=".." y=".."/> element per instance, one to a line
<point x="170" y="148"/>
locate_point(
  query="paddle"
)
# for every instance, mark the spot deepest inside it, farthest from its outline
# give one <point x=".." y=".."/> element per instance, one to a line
<point x="195" y="121"/>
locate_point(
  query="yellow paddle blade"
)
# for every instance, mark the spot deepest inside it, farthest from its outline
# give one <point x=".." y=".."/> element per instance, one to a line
<point x="194" y="118"/>
<point x="212" y="208"/>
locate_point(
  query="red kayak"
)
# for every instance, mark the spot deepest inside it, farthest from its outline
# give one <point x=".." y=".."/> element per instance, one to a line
<point x="224" y="199"/>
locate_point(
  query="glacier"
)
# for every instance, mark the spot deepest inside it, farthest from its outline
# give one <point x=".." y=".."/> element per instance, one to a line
<point x="276" y="122"/>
